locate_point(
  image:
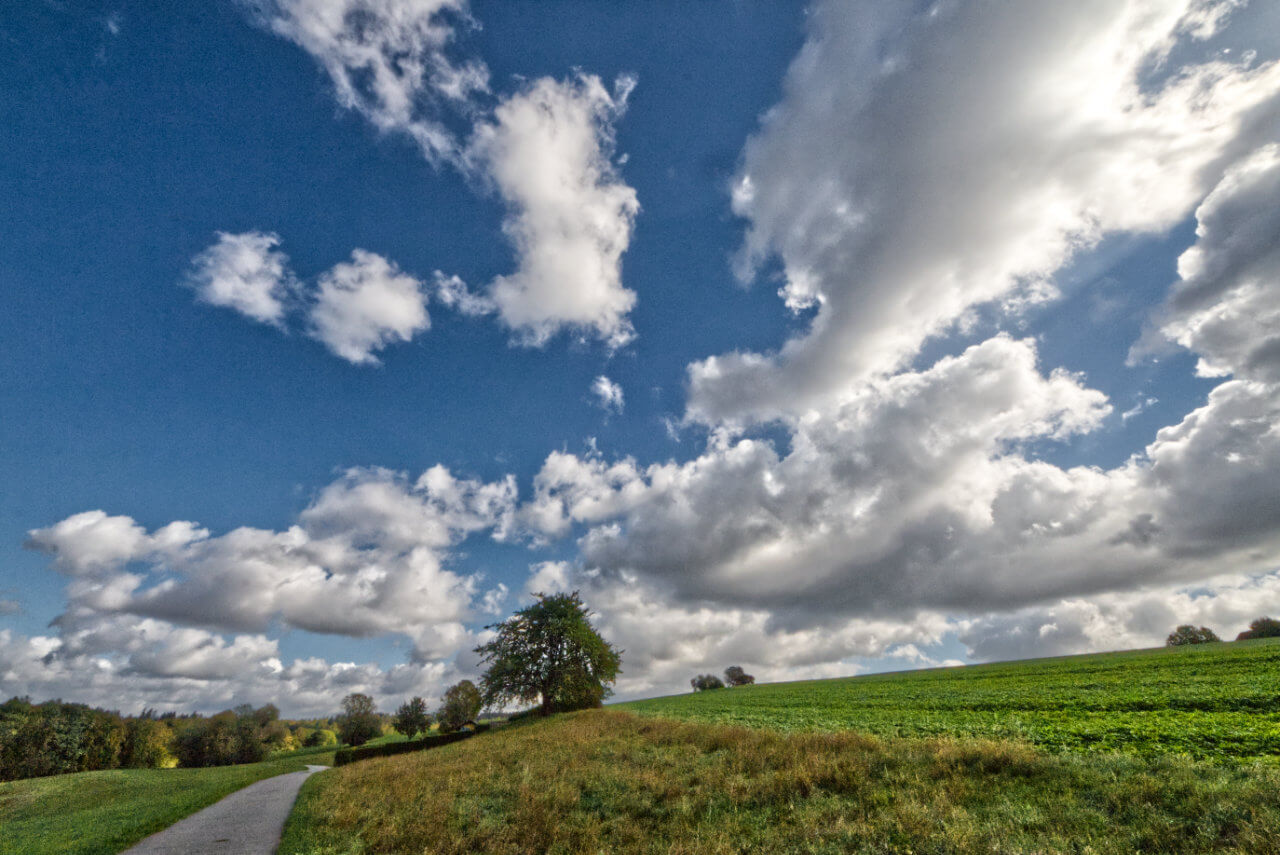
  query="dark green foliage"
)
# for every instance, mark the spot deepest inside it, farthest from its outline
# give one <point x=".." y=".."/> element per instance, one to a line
<point x="146" y="744"/>
<point x="54" y="738"/>
<point x="1263" y="627"/>
<point x="735" y="676"/>
<point x="1188" y="634"/>
<point x="389" y="749"/>
<point x="549" y="653"/>
<point x="412" y="717"/>
<point x="460" y="707"/>
<point x="359" y="720"/>
<point x="706" y="682"/>
<point x="243" y="735"/>
<point x="318" y="738"/>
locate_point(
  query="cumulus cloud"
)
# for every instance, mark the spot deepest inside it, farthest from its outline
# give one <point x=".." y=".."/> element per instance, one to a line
<point x="912" y="172"/>
<point x="389" y="60"/>
<point x="548" y="151"/>
<point x="364" y="305"/>
<point x="246" y="273"/>
<point x="1226" y="304"/>
<point x="608" y="394"/>
<point x="367" y="557"/>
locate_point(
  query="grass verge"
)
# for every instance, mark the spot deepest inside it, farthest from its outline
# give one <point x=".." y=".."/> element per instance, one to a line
<point x="609" y="781"/>
<point x="101" y="813"/>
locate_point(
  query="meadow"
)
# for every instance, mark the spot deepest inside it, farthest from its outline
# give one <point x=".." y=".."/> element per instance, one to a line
<point x="1210" y="701"/>
<point x="101" y="813"/>
<point x="612" y="781"/>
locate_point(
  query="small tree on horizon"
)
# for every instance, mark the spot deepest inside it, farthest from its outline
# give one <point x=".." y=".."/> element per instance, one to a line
<point x="735" y="676"/>
<point x="412" y="717"/>
<point x="1188" y="634"/>
<point x="461" y="705"/>
<point x="549" y="653"/>
<point x="359" y="721"/>
<point x="1263" y="627"/>
<point x="706" y="682"/>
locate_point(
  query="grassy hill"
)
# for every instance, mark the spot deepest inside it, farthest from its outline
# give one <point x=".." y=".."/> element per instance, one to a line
<point x="1211" y="701"/>
<point x="632" y="779"/>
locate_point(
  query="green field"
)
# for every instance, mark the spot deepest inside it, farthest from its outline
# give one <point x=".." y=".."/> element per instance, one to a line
<point x="1212" y="701"/>
<point x="609" y="781"/>
<point x="101" y="813"/>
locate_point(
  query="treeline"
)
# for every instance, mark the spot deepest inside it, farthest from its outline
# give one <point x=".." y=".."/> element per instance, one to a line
<point x="54" y="738"/>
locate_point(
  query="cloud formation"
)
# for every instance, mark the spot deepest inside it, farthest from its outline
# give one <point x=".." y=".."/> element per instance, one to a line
<point x="608" y="394"/>
<point x="245" y="273"/>
<point x="548" y="150"/>
<point x="364" y="305"/>
<point x="911" y="172"/>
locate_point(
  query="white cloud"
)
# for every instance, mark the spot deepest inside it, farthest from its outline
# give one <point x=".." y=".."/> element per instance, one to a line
<point x="608" y="394"/>
<point x="364" y="305"/>
<point x="912" y="172"/>
<point x="244" y="272"/>
<point x="388" y="60"/>
<point x="1226" y="304"/>
<point x="548" y="150"/>
<point x="452" y="292"/>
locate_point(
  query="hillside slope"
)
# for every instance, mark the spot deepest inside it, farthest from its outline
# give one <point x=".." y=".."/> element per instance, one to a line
<point x="610" y="781"/>
<point x="1212" y="701"/>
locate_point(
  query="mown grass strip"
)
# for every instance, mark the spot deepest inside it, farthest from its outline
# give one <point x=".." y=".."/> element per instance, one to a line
<point x="608" y="781"/>
<point x="101" y="813"/>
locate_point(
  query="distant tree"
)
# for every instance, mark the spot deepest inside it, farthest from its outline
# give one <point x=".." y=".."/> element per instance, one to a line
<point x="735" y="676"/>
<point x="706" y="682"/>
<point x="1263" y="627"/>
<point x="549" y="653"/>
<point x="358" y="722"/>
<point x="412" y="717"/>
<point x="461" y="705"/>
<point x="320" y="738"/>
<point x="1188" y="634"/>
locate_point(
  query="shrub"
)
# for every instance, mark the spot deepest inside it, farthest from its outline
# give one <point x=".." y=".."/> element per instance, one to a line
<point x="350" y="755"/>
<point x="1188" y="634"/>
<point x="706" y="682"/>
<point x="1263" y="627"/>
<point x="735" y="676"/>
<point x="359" y="720"/>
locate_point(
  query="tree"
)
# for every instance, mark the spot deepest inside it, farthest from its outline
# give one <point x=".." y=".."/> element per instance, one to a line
<point x="1263" y="627"/>
<point x="549" y="653"/>
<point x="735" y="676"/>
<point x="461" y="705"/>
<point x="1188" y="634"/>
<point x="358" y="722"/>
<point x="412" y="717"/>
<point x="706" y="682"/>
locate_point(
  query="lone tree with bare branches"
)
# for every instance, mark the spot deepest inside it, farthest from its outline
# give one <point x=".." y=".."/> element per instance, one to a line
<point x="549" y="653"/>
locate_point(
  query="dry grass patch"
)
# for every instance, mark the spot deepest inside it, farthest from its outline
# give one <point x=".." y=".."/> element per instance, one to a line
<point x="605" y="781"/>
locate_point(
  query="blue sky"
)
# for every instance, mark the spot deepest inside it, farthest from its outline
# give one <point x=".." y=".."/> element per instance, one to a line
<point x="894" y="342"/>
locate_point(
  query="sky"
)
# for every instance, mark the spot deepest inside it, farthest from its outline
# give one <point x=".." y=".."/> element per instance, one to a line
<point x="817" y="338"/>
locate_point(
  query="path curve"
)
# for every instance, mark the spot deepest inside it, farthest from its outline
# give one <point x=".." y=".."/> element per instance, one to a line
<point x="247" y="822"/>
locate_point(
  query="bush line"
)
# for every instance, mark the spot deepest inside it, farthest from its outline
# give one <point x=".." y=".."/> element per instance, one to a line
<point x="351" y="755"/>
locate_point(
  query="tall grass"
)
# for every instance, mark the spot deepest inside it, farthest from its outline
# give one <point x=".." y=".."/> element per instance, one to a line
<point x="608" y="781"/>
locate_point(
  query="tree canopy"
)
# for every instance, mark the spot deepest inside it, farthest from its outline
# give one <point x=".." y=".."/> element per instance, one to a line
<point x="359" y="721"/>
<point x="1188" y="634"/>
<point x="461" y="704"/>
<point x="412" y="717"/>
<point x="735" y="676"/>
<point x="1263" y="627"/>
<point x="549" y="653"/>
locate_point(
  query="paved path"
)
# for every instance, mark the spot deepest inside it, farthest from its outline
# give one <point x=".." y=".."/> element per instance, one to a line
<point x="247" y="822"/>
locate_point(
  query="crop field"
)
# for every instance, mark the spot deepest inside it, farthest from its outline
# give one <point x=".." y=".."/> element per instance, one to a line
<point x="1212" y="702"/>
